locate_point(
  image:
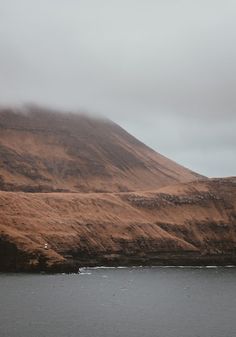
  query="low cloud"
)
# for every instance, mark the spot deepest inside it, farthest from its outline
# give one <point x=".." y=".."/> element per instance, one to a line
<point x="165" y="70"/>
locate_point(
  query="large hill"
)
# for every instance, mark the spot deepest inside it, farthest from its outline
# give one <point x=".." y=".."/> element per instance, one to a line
<point x="45" y="151"/>
<point x="80" y="191"/>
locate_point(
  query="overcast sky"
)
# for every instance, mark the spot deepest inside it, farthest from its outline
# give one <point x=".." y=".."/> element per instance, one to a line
<point x="165" y="70"/>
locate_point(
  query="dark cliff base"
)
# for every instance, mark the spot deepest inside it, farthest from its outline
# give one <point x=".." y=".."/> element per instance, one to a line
<point x="18" y="262"/>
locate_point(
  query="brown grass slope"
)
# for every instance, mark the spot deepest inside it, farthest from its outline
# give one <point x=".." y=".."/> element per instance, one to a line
<point x="44" y="151"/>
<point x="193" y="223"/>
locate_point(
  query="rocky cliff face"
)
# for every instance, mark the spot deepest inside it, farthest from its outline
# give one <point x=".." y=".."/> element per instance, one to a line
<point x="44" y="151"/>
<point x="188" y="223"/>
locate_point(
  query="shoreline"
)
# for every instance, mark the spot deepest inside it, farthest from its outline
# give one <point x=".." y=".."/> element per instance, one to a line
<point x="189" y="260"/>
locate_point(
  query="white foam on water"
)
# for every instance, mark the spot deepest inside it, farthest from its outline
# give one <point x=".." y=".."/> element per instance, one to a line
<point x="85" y="270"/>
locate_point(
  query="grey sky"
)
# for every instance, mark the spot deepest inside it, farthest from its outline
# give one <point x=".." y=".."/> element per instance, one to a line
<point x="163" y="69"/>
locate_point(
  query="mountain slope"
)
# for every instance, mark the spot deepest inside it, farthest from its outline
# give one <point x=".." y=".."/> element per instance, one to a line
<point x="44" y="151"/>
<point x="189" y="223"/>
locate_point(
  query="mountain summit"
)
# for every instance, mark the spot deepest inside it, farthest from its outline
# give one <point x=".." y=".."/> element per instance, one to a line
<point x="46" y="151"/>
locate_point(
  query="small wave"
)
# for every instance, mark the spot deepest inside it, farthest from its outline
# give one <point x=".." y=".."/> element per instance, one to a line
<point x="105" y="267"/>
<point x="102" y="267"/>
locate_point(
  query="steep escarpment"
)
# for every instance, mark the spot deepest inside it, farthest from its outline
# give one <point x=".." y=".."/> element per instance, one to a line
<point x="188" y="223"/>
<point x="45" y="151"/>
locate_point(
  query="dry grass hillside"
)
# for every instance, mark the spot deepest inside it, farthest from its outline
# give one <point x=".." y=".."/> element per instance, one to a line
<point x="192" y="223"/>
<point x="44" y="151"/>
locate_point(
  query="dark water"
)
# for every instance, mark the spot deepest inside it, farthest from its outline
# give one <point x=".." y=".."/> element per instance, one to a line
<point x="141" y="302"/>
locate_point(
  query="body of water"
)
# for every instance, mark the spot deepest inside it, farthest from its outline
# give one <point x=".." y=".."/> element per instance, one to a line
<point x="129" y="302"/>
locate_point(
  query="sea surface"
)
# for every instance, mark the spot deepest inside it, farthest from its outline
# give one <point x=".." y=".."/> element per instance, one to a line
<point x="127" y="302"/>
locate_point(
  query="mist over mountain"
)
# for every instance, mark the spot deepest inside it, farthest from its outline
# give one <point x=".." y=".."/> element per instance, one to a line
<point x="163" y="70"/>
